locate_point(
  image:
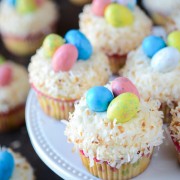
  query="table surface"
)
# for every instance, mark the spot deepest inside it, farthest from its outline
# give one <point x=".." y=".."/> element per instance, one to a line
<point x="19" y="140"/>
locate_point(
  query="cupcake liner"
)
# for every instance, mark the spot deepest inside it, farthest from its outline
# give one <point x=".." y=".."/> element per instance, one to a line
<point x="56" y="108"/>
<point x="177" y="147"/>
<point x="116" y="62"/>
<point x="126" y="171"/>
<point x="12" y="119"/>
<point x="80" y="2"/>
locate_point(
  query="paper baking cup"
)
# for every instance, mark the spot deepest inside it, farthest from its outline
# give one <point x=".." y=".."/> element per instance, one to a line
<point x="177" y="146"/>
<point x="116" y="62"/>
<point x="126" y="171"/>
<point x="80" y="2"/>
<point x="12" y="119"/>
<point x="56" y="108"/>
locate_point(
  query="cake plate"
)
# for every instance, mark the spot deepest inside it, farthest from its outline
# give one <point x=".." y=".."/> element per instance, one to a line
<point x="50" y="143"/>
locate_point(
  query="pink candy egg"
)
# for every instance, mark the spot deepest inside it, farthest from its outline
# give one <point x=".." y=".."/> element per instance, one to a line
<point x="5" y="74"/>
<point x="122" y="85"/>
<point x="64" y="57"/>
<point x="39" y="2"/>
<point x="98" y="6"/>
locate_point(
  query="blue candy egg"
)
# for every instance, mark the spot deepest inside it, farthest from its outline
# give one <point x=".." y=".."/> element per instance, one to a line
<point x="12" y="2"/>
<point x="79" y="40"/>
<point x="152" y="44"/>
<point x="98" y="98"/>
<point x="6" y="165"/>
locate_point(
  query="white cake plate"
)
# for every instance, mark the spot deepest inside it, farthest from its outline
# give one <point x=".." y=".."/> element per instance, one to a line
<point x="50" y="143"/>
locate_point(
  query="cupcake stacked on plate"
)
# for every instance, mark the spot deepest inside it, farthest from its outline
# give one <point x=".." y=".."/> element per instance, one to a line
<point x="25" y="23"/>
<point x="14" y="89"/>
<point x="63" y="69"/>
<point x="15" y="167"/>
<point x="155" y="69"/>
<point x="115" y="27"/>
<point x="115" y="130"/>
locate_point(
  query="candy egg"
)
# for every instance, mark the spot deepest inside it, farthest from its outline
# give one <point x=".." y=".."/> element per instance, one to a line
<point x="39" y="2"/>
<point x="122" y="85"/>
<point x="5" y="74"/>
<point x="174" y="39"/>
<point x="165" y="60"/>
<point x="123" y="108"/>
<point x="11" y="2"/>
<point x="6" y="165"/>
<point x="51" y="43"/>
<point x="152" y="44"/>
<point x="98" y="6"/>
<point x="118" y="15"/>
<point x="26" y="6"/>
<point x="2" y="60"/>
<point x="64" y="58"/>
<point x="79" y="40"/>
<point x="129" y="3"/>
<point x="98" y="98"/>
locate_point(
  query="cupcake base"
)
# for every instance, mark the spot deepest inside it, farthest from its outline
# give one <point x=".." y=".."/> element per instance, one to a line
<point x="126" y="171"/>
<point x="116" y="62"/>
<point x="56" y="108"/>
<point x="12" y="119"/>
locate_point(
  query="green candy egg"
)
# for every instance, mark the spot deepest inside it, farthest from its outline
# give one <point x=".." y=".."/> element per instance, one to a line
<point x="123" y="108"/>
<point x="174" y="39"/>
<point x="26" y="6"/>
<point x="51" y="43"/>
<point x="2" y="59"/>
<point x="118" y="15"/>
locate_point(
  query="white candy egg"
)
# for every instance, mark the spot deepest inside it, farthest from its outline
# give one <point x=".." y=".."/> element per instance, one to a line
<point x="165" y="60"/>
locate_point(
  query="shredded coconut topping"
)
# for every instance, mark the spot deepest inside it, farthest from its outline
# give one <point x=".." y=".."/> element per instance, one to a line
<point x="113" y="143"/>
<point x="150" y="83"/>
<point x="175" y="124"/>
<point x="113" y="40"/>
<point x="71" y="84"/>
<point x="16" y="92"/>
<point x="13" y="23"/>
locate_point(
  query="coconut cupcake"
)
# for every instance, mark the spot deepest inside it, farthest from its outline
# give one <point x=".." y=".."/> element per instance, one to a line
<point x="114" y="28"/>
<point x="25" y="23"/>
<point x="13" y="166"/>
<point x="175" y="129"/>
<point x="115" y="131"/>
<point x="161" y="10"/>
<point x="60" y="73"/>
<point x="14" y="88"/>
<point x="155" y="69"/>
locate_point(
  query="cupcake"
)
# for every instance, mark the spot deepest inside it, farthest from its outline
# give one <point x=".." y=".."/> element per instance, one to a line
<point x="161" y="10"/>
<point x="15" y="167"/>
<point x="80" y="2"/>
<point x="175" y="129"/>
<point x="14" y="88"/>
<point x="155" y="69"/>
<point x="114" y="28"/>
<point x="61" y="72"/>
<point x="115" y="130"/>
<point x="25" y="23"/>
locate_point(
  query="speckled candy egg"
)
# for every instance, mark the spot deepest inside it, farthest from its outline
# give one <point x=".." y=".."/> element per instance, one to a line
<point x="51" y="43"/>
<point x="152" y="44"/>
<point x="98" y="98"/>
<point x="174" y="39"/>
<point x="123" y="108"/>
<point x="64" y="58"/>
<point x="122" y="85"/>
<point x="79" y="40"/>
<point x="165" y="60"/>
<point x="6" y="165"/>
<point x="98" y="6"/>
<point x="26" y="6"/>
<point x="118" y="15"/>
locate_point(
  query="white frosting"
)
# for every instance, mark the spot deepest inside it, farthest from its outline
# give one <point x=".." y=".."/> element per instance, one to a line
<point x="114" y="143"/>
<point x="114" y="40"/>
<point x="16" y="92"/>
<point x="13" y="23"/>
<point x="71" y="84"/>
<point x="150" y="83"/>
<point x="22" y="170"/>
<point x="165" y="7"/>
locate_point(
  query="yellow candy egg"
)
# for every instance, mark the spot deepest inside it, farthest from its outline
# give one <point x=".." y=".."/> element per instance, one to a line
<point x="123" y="108"/>
<point x="118" y="15"/>
<point x="174" y="39"/>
